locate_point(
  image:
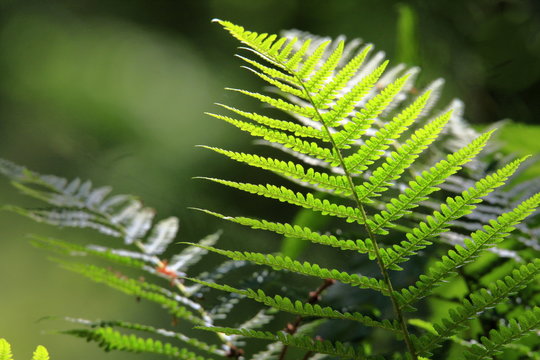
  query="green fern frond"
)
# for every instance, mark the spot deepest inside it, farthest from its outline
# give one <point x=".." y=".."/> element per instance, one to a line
<point x="110" y="339"/>
<point x="459" y="256"/>
<point x="40" y="353"/>
<point x="5" y="350"/>
<point x="297" y="129"/>
<point x="304" y="268"/>
<point x="308" y="201"/>
<point x="298" y="232"/>
<point x="504" y="335"/>
<point x="289" y="141"/>
<point x="479" y="302"/>
<point x="324" y="181"/>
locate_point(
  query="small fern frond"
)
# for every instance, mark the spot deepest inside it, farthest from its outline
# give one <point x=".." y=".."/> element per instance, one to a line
<point x="504" y="335"/>
<point x="40" y="353"/>
<point x="478" y="302"/>
<point x="304" y="268"/>
<point x="110" y="339"/>
<point x="5" y="350"/>
<point x="298" y="232"/>
<point x="291" y="170"/>
<point x="297" y="129"/>
<point x="140" y="289"/>
<point x="308" y="201"/>
<point x="303" y="342"/>
<point x="459" y="256"/>
<point x="210" y="349"/>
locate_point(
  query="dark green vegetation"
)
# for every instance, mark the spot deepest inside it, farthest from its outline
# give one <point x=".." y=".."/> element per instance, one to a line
<point x="414" y="206"/>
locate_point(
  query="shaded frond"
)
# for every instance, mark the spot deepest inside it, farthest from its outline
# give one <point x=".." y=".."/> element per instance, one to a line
<point x="425" y="184"/>
<point x="110" y="339"/>
<point x="492" y="234"/>
<point x="303" y="342"/>
<point x="453" y="209"/>
<point x="504" y="335"/>
<point x="478" y="302"/>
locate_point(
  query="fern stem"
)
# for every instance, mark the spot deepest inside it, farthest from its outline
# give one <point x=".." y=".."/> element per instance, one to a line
<point x="380" y="262"/>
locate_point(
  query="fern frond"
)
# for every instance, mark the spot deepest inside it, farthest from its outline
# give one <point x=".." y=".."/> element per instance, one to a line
<point x="298" y="232"/>
<point x="338" y="184"/>
<point x="40" y="353"/>
<point x="140" y="289"/>
<point x="454" y="208"/>
<point x="308" y="201"/>
<point x="77" y="204"/>
<point x="353" y="129"/>
<point x="280" y="104"/>
<point x="303" y="268"/>
<point x="425" y="184"/>
<point x="400" y="160"/>
<point x="303" y="309"/>
<point x="346" y="104"/>
<point x="303" y="342"/>
<point x="479" y="302"/>
<point x="459" y="256"/>
<point x="332" y="88"/>
<point x="499" y="338"/>
<point x="210" y="349"/>
<point x="289" y="141"/>
<point x="110" y="339"/>
<point x="297" y="129"/>
<point x="5" y="350"/>
<point x="319" y="77"/>
<point x="124" y="257"/>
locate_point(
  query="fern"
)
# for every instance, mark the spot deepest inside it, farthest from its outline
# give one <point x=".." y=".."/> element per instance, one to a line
<point x="415" y="191"/>
<point x="40" y="353"/>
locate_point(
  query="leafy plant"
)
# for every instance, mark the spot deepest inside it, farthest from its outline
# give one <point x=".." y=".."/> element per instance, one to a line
<point x="40" y="353"/>
<point x="407" y="196"/>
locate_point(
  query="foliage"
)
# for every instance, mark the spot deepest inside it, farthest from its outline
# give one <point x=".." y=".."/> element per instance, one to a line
<point x="40" y="353"/>
<point x="405" y="180"/>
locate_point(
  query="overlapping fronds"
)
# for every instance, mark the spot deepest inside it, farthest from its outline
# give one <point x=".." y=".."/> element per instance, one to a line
<point x="76" y="204"/>
<point x="400" y="181"/>
<point x="358" y="138"/>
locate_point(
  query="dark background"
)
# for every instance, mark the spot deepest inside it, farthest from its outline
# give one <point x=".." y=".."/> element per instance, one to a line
<point x="115" y="91"/>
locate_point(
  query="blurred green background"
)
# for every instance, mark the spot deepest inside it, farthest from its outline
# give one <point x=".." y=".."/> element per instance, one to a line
<point x="115" y="91"/>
